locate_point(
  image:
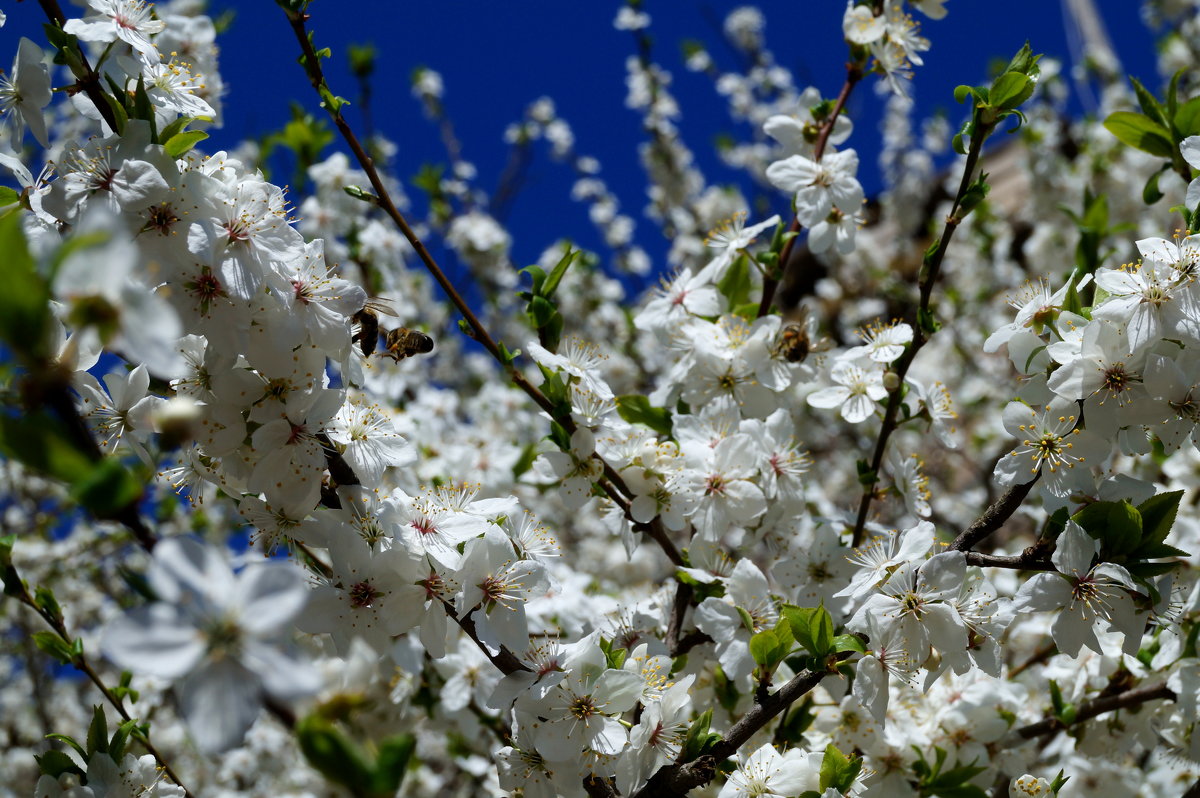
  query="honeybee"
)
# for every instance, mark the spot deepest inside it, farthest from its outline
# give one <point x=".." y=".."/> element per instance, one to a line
<point x="403" y="342"/>
<point x="367" y="320"/>
<point x="795" y="342"/>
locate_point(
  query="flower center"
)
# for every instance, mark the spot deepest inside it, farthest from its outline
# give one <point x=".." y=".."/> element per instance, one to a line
<point x="582" y="707"/>
<point x="362" y="594"/>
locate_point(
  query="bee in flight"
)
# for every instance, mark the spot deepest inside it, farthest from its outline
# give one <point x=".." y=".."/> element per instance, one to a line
<point x="398" y="343"/>
<point x="403" y="342"/>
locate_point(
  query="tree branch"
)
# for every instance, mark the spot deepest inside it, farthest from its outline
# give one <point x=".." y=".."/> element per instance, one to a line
<point x="1032" y="559"/>
<point x="674" y="781"/>
<point x="1095" y="707"/>
<point x="993" y="517"/>
<point x="506" y="662"/>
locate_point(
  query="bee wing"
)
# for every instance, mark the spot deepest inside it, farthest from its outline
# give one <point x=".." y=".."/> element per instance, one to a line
<point x="381" y="306"/>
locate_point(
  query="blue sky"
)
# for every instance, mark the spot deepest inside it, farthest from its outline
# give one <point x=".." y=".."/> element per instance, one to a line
<point x="496" y="57"/>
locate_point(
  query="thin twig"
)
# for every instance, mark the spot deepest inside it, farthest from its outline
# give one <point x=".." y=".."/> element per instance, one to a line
<point x="679" y="605"/>
<point x="1095" y="707"/>
<point x="505" y="661"/>
<point x="674" y="781"/>
<point x="993" y="517"/>
<point x="89" y="80"/>
<point x="854" y="74"/>
<point x="312" y="68"/>
<point x="81" y="663"/>
<point x="929" y="274"/>
<point x="1041" y="655"/>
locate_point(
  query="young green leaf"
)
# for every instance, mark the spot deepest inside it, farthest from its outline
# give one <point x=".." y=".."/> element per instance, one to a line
<point x="636" y="409"/>
<point x="1140" y="132"/>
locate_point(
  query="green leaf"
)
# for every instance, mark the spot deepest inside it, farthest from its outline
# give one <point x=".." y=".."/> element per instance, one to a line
<point x="392" y="763"/>
<point x="1187" y="118"/>
<point x="927" y="321"/>
<point x="848" y="643"/>
<point x="143" y="108"/>
<point x="770" y="647"/>
<point x="56" y="763"/>
<point x="330" y="101"/>
<point x="1158" y="515"/>
<point x="1010" y="90"/>
<point x="866" y="475"/>
<point x="179" y="144"/>
<point x="747" y="620"/>
<point x="559" y="270"/>
<point x="116" y="746"/>
<point x="735" y="285"/>
<point x="1140" y="132"/>
<point x="1149" y="570"/>
<point x="505" y="355"/>
<point x="696" y="735"/>
<point x="1025" y="62"/>
<point x="1117" y="525"/>
<point x="761" y="646"/>
<point x="525" y="460"/>
<point x="1153" y="551"/>
<point x="747" y="310"/>
<point x="120" y="115"/>
<point x="68" y="740"/>
<point x="52" y="645"/>
<point x="838" y="770"/>
<point x="961" y="93"/>
<point x="362" y="59"/>
<point x="97" y="737"/>
<point x="797" y="721"/>
<point x="335" y="757"/>
<point x="360" y="194"/>
<point x="959" y="791"/>
<point x="108" y="487"/>
<point x="822" y="632"/>
<point x="1124" y="528"/>
<point x="43" y="598"/>
<point x="175" y="127"/>
<point x="8" y="196"/>
<point x="812" y="627"/>
<point x="25" y="300"/>
<point x="1150" y="105"/>
<point x="636" y="409"/>
<point x="976" y="193"/>
<point x="538" y="276"/>
<point x="702" y="590"/>
<point x="541" y="311"/>
<point x="1150" y="192"/>
<point x="725" y="690"/>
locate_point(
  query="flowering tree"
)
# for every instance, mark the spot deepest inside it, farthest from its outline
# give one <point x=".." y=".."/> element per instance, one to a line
<point x="823" y="515"/>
